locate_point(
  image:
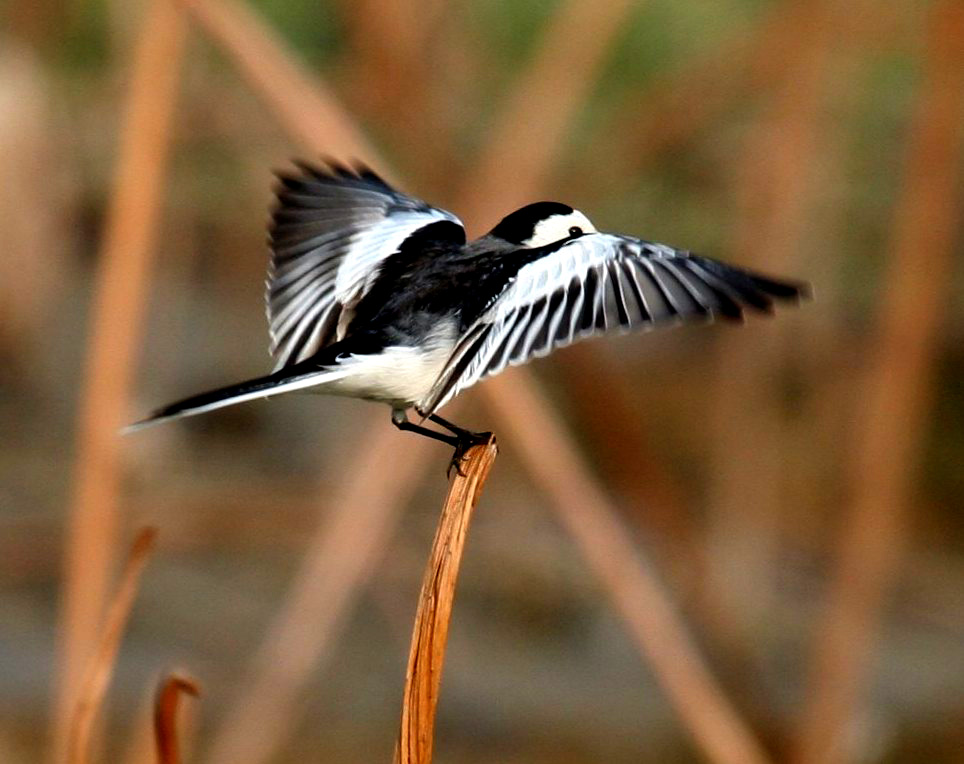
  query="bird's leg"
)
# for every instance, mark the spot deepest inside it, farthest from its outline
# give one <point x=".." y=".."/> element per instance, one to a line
<point x="401" y="422"/>
<point x="460" y="432"/>
<point x="461" y="439"/>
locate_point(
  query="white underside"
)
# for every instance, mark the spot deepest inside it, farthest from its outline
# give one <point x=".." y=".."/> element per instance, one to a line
<point x="399" y="375"/>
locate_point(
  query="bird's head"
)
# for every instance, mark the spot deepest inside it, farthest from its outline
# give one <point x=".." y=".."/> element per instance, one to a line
<point x="541" y="224"/>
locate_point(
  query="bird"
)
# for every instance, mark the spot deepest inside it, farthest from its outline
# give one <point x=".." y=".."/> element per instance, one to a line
<point x="375" y="294"/>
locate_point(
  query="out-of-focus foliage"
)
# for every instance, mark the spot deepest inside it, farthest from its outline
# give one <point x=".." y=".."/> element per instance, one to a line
<point x="539" y="669"/>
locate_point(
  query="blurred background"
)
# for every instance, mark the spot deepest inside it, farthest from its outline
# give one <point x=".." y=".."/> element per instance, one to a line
<point x="792" y="489"/>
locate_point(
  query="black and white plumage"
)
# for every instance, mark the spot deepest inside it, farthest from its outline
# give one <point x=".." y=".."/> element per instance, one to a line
<point x="375" y="294"/>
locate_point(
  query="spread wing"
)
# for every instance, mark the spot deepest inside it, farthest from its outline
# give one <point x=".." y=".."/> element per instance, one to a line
<point x="595" y="284"/>
<point x="330" y="232"/>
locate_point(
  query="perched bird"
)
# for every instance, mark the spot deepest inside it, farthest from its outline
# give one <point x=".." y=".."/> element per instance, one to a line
<point x="375" y="294"/>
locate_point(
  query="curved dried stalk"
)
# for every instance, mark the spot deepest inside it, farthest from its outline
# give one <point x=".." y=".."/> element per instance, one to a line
<point x="169" y="695"/>
<point x="430" y="635"/>
<point x="91" y="692"/>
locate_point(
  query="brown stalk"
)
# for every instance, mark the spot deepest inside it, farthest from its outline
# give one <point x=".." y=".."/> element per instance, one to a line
<point x="305" y="108"/>
<point x="430" y="635"/>
<point x="166" y="705"/>
<point x="681" y="103"/>
<point x="589" y="517"/>
<point x="342" y="555"/>
<point x="776" y="178"/>
<point x="90" y="693"/>
<point x="389" y="67"/>
<point x="116" y="319"/>
<point x="521" y="149"/>
<point x="896" y="394"/>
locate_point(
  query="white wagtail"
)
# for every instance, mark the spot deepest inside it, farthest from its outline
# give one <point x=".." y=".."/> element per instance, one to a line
<point x="375" y="294"/>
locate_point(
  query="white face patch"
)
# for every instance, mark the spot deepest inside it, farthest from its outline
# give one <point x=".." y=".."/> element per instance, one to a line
<point x="558" y="227"/>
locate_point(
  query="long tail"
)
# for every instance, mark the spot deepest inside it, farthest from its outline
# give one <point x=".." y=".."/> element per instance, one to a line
<point x="274" y="384"/>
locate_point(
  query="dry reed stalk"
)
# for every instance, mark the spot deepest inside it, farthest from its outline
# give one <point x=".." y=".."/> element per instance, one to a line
<point x="430" y="634"/>
<point x="305" y="108"/>
<point x="403" y="75"/>
<point x="551" y="458"/>
<point x="681" y="103"/>
<point x="391" y="44"/>
<point x="520" y="149"/>
<point x="777" y="176"/>
<point x="341" y="557"/>
<point x="625" y="455"/>
<point x="166" y="706"/>
<point x="897" y="389"/>
<point x="90" y="694"/>
<point x="116" y="319"/>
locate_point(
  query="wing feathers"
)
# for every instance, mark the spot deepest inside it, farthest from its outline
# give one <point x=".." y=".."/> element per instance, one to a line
<point x="595" y="284"/>
<point x="330" y="233"/>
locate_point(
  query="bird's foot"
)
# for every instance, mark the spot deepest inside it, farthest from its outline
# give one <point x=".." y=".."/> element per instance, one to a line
<point x="466" y="440"/>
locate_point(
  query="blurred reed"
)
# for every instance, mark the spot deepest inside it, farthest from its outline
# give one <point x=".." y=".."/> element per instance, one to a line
<point x="775" y="175"/>
<point x="302" y="105"/>
<point x="520" y="151"/>
<point x="897" y="388"/>
<point x="361" y="516"/>
<point x="658" y="633"/>
<point x="115" y="329"/>
<point x="90" y="693"/>
<point x="430" y="634"/>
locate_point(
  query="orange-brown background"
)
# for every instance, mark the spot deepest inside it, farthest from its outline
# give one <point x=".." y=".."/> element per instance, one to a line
<point x="792" y="488"/>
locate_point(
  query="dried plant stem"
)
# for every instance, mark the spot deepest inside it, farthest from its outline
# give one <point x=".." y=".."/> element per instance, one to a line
<point x="520" y="149"/>
<point x="896" y="394"/>
<point x="91" y="692"/>
<point x="361" y="517"/>
<point x="302" y="104"/>
<point x="682" y="102"/>
<point x="551" y="458"/>
<point x="115" y="329"/>
<point x="166" y="706"/>
<point x="776" y="175"/>
<point x="430" y="635"/>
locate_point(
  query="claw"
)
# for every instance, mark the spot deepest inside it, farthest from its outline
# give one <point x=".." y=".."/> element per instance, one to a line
<point x="466" y="441"/>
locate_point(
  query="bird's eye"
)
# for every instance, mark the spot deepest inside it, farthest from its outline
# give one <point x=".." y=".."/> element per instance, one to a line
<point x="575" y="231"/>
